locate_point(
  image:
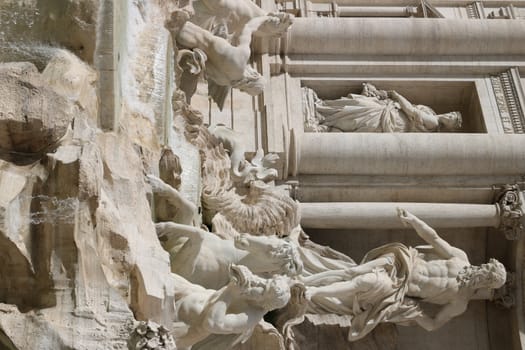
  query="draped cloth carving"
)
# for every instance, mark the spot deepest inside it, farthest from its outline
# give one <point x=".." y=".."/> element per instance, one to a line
<point x="385" y="303"/>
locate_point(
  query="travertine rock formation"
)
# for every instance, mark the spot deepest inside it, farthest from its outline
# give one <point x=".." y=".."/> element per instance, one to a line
<point x="82" y="259"/>
<point x="34" y="116"/>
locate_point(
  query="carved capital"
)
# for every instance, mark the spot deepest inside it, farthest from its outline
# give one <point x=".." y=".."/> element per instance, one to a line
<point x="510" y="205"/>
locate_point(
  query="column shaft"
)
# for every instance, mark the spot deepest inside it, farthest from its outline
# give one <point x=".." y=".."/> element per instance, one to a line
<point x="374" y="11"/>
<point x="402" y="36"/>
<point x="407" y="154"/>
<point x="374" y="215"/>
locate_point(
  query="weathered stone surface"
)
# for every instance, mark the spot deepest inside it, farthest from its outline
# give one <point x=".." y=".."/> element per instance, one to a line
<point x="384" y="337"/>
<point x="33" y="116"/>
<point x="17" y="273"/>
<point x="76" y="230"/>
<point x="37" y="27"/>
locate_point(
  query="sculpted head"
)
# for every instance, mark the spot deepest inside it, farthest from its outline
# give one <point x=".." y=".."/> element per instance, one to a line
<point x="491" y="275"/>
<point x="447" y="121"/>
<point x="270" y="294"/>
<point x="271" y="255"/>
<point x="252" y="82"/>
<point x="450" y="121"/>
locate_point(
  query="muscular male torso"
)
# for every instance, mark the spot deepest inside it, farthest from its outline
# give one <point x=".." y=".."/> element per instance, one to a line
<point x="435" y="281"/>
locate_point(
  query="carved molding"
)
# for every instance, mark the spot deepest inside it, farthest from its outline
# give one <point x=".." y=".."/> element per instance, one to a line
<point x="505" y="12"/>
<point x="475" y="10"/>
<point x="510" y="205"/>
<point x="509" y="98"/>
<point x="427" y="10"/>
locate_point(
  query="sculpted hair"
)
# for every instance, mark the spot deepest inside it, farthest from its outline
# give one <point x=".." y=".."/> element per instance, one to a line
<point x="490" y="275"/>
<point x="459" y="119"/>
<point x="271" y="293"/>
<point x="288" y="253"/>
<point x="276" y="294"/>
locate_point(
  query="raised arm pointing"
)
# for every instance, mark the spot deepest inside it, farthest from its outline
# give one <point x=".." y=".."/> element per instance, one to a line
<point x="429" y="235"/>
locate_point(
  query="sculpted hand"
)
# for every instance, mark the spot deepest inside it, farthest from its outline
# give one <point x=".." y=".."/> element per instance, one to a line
<point x="177" y="19"/>
<point x="276" y="23"/>
<point x="406" y="218"/>
<point x="157" y="185"/>
<point x="392" y="94"/>
<point x="240" y="242"/>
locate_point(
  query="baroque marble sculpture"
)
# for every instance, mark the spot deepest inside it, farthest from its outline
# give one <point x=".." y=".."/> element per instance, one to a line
<point x="203" y="258"/>
<point x="131" y="219"/>
<point x="209" y="319"/>
<point x="376" y="111"/>
<point x="393" y="281"/>
<point x="226" y="63"/>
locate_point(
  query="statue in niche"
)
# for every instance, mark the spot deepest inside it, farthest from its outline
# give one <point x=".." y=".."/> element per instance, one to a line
<point x="374" y="110"/>
<point x="203" y="258"/>
<point x="220" y="319"/>
<point x="394" y="282"/>
<point x="225" y="64"/>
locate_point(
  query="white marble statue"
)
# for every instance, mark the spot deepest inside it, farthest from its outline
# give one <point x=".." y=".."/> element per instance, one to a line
<point x="219" y="319"/>
<point x="233" y="15"/>
<point x="226" y="64"/>
<point x="170" y="205"/>
<point x="258" y="168"/>
<point x="377" y="111"/>
<point x="203" y="258"/>
<point x="393" y="282"/>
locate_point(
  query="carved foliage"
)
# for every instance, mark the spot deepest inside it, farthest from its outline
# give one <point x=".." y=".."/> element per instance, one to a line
<point x="149" y="335"/>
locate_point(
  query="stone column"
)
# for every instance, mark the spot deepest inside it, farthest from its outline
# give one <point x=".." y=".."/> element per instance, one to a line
<point x="399" y="36"/>
<point x="408" y="154"/>
<point x="448" y="3"/>
<point x="375" y="11"/>
<point x="507" y="214"/>
<point x="374" y="215"/>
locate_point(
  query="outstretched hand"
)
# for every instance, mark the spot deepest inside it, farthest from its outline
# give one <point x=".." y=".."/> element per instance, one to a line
<point x="392" y="94"/>
<point x="406" y="217"/>
<point x="275" y="24"/>
<point x="157" y="185"/>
